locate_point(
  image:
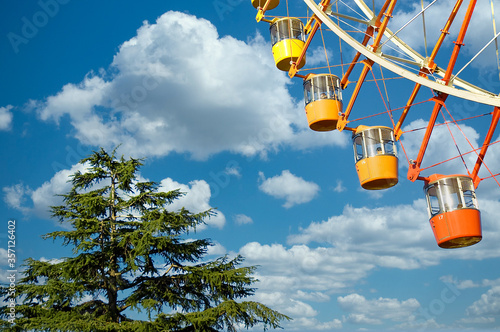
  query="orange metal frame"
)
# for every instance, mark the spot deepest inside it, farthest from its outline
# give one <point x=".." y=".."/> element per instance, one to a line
<point x="262" y="11"/>
<point x="431" y="66"/>
<point x="380" y="26"/>
<point x="317" y="23"/>
<point x="486" y="144"/>
<point x="414" y="169"/>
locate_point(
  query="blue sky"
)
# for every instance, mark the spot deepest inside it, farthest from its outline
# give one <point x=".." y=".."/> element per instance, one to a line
<point x="192" y="87"/>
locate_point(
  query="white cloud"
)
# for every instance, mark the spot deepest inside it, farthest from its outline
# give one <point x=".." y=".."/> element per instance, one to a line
<point x="477" y="320"/>
<point x="304" y="269"/>
<point x="164" y="97"/>
<point x="311" y="296"/>
<point x="77" y="100"/>
<point x="5" y="117"/>
<point x="303" y="314"/>
<point x="47" y="195"/>
<point x="292" y="188"/>
<point x="52" y="260"/>
<point x="422" y="325"/>
<point x="332" y="256"/>
<point x="487" y="305"/>
<point x="7" y="273"/>
<point x="466" y="284"/>
<point x="339" y="188"/>
<point x="242" y="219"/>
<point x="305" y="323"/>
<point x="216" y="249"/>
<point x="15" y="196"/>
<point x="399" y="236"/>
<point x="299" y="308"/>
<point x="196" y="199"/>
<point x="38" y="201"/>
<point x="233" y="170"/>
<point x="391" y="236"/>
<point x="3" y="255"/>
<point x="317" y="56"/>
<point x="483" y="311"/>
<point x="376" y="311"/>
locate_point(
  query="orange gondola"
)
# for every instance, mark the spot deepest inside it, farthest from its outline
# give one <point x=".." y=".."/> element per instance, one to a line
<point x="323" y="99"/>
<point x="453" y="211"/>
<point x="376" y="157"/>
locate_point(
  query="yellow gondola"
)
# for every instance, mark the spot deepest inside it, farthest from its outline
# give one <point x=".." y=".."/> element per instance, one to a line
<point x="261" y="3"/>
<point x="288" y="40"/>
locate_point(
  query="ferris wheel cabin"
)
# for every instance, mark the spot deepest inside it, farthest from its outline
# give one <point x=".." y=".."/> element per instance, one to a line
<point x="261" y="4"/>
<point x="453" y="210"/>
<point x="323" y="99"/>
<point x="288" y="40"/>
<point x="376" y="157"/>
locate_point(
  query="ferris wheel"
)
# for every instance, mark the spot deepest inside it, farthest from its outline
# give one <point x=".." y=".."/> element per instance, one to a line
<point x="375" y="51"/>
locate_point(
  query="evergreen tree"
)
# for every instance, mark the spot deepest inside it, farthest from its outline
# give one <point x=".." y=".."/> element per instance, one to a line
<point x="130" y="256"/>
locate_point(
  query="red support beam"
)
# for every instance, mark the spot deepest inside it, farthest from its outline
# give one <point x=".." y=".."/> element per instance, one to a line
<point x="486" y="144"/>
<point x="414" y="169"/>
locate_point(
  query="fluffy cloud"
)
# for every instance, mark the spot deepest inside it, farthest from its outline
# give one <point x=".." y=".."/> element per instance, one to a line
<point x="15" y="196"/>
<point x="5" y="117"/>
<point x="216" y="249"/>
<point x="485" y="310"/>
<point x="179" y="87"/>
<point x="339" y="188"/>
<point x="390" y="236"/>
<point x="487" y="305"/>
<point x="242" y="219"/>
<point x="196" y="199"/>
<point x="77" y="100"/>
<point x="398" y="236"/>
<point x="332" y="256"/>
<point x="318" y="56"/>
<point x="3" y="255"/>
<point x="466" y="284"/>
<point x="300" y="270"/>
<point x="303" y="314"/>
<point x="304" y="323"/>
<point x="312" y="296"/>
<point x="373" y="312"/>
<point x="292" y="279"/>
<point x="38" y="201"/>
<point x="292" y="188"/>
